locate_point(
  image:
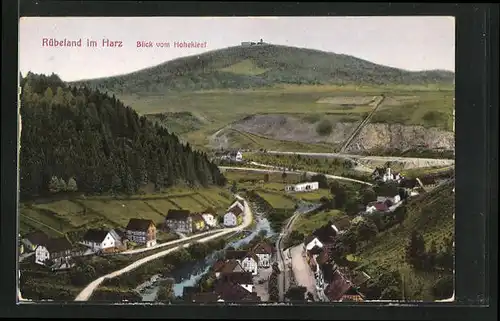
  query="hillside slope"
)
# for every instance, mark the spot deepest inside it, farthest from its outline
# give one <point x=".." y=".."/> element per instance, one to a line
<point x="258" y="66"/>
<point x="80" y="139"/>
<point x="430" y="214"/>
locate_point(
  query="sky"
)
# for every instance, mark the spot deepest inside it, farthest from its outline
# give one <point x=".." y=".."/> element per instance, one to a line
<point x="411" y="43"/>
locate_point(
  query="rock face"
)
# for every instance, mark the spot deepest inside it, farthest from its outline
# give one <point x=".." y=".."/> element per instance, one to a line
<point x="372" y="136"/>
<point x="285" y="127"/>
<point x="396" y="136"/>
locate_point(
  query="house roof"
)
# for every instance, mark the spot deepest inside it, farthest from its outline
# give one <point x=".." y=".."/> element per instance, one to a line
<point x="342" y="223"/>
<point x="197" y="217"/>
<point x="315" y="250"/>
<point x="309" y="239"/>
<point x="58" y="245"/>
<point x="240" y="255"/>
<point x="37" y="237"/>
<point x="210" y="210"/>
<point x="138" y="224"/>
<point x="232" y="292"/>
<point x="263" y="248"/>
<point x="337" y="287"/>
<point x="238" y="277"/>
<point x="228" y="267"/>
<point x="178" y="215"/>
<point x="326" y="233"/>
<point x="381" y="206"/>
<point x="94" y="235"/>
<point x="236" y="210"/>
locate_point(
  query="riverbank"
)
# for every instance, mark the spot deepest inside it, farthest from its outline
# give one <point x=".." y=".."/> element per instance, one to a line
<point x="192" y="273"/>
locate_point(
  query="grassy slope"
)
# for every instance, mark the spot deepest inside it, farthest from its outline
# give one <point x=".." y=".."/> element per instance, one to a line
<point x="225" y="85"/>
<point x="258" y="66"/>
<point x="81" y="213"/>
<point x="306" y="224"/>
<point x="432" y="215"/>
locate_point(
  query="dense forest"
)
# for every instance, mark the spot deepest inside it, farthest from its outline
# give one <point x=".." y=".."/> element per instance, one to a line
<point x="261" y="66"/>
<point x="82" y="139"/>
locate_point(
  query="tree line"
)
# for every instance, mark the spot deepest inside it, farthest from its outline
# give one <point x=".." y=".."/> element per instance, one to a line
<point x="75" y="138"/>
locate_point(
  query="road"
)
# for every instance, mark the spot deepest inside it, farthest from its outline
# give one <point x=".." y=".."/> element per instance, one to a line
<point x="427" y="161"/>
<point x="276" y="169"/>
<point x="284" y="278"/>
<point x="180" y="240"/>
<point x="86" y="293"/>
<point x="24" y="256"/>
<point x="302" y="272"/>
<point x="362" y="124"/>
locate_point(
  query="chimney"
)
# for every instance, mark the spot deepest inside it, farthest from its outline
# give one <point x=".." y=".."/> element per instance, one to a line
<point x="389" y="172"/>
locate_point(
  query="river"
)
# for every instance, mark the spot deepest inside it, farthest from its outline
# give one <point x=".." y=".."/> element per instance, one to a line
<point x="189" y="274"/>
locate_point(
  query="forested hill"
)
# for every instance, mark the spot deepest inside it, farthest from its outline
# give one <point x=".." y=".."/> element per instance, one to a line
<point x="77" y="135"/>
<point x="242" y="67"/>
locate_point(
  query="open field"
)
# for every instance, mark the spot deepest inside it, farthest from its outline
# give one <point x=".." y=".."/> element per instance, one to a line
<point x="276" y="200"/>
<point x="411" y="105"/>
<point x="432" y="215"/>
<point x="81" y="213"/>
<point x="306" y="224"/>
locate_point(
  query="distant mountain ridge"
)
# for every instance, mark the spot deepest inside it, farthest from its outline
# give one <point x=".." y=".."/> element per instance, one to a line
<point x="242" y="67"/>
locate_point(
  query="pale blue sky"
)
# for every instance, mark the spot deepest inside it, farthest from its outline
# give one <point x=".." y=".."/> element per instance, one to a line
<point x="412" y="43"/>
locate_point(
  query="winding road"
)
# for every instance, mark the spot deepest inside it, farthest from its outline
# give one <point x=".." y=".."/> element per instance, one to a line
<point x="86" y="293"/>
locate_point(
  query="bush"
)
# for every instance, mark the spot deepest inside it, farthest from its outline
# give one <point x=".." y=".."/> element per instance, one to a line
<point x="443" y="288"/>
<point x="324" y="128"/>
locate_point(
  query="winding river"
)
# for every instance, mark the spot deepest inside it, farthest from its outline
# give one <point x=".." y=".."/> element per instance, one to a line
<point x="189" y="274"/>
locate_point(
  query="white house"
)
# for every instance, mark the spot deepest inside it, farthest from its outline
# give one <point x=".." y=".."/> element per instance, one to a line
<point x="233" y="217"/>
<point x="248" y="261"/>
<point x="389" y="176"/>
<point x="263" y="251"/>
<point x="394" y="200"/>
<point x="209" y="219"/>
<point x="235" y="156"/>
<point x="55" y="253"/>
<point x="302" y="187"/>
<point x="99" y="240"/>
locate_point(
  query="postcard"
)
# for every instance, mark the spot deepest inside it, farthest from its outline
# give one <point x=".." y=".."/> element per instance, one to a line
<point x="236" y="159"/>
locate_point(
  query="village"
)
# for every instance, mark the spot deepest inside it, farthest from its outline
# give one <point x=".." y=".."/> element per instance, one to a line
<point x="139" y="235"/>
<point x="247" y="274"/>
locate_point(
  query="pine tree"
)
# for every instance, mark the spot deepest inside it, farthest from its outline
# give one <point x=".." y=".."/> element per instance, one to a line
<point x="54" y="186"/>
<point x="234" y="188"/>
<point x="415" y="250"/>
